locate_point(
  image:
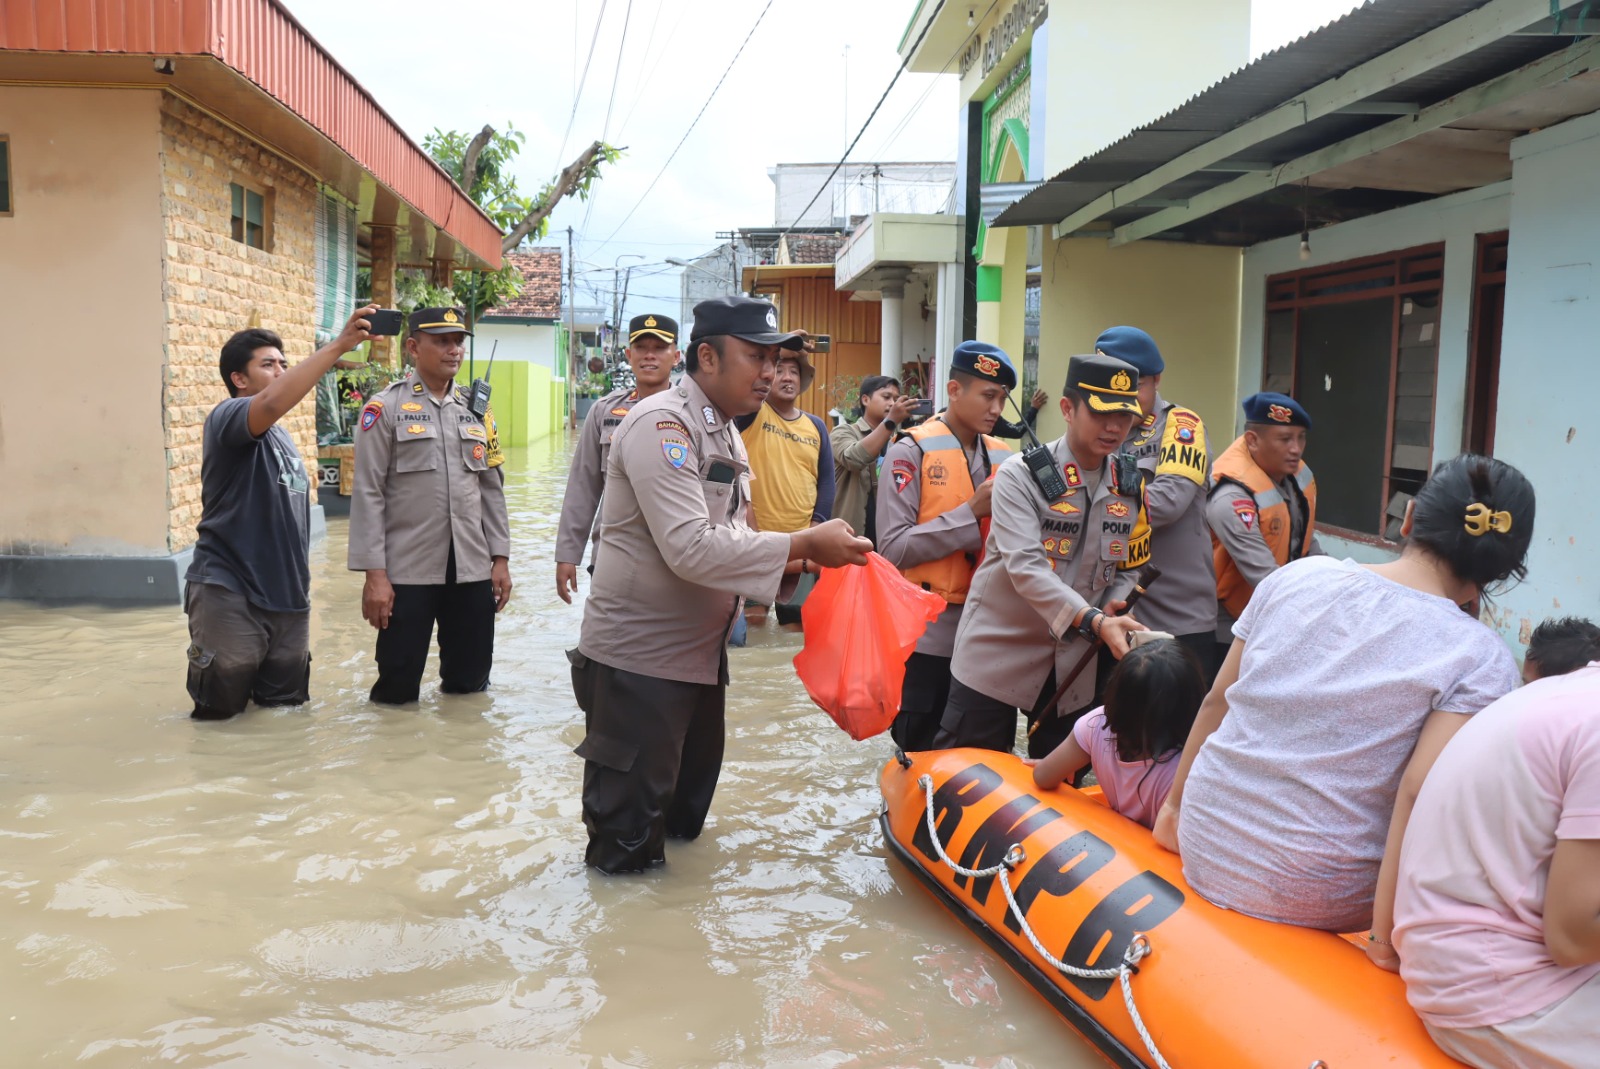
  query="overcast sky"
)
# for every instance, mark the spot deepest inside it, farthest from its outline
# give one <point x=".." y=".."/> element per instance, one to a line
<point x="804" y="85"/>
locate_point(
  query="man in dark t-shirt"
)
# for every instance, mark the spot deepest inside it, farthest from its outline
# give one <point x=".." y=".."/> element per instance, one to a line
<point x="248" y="587"/>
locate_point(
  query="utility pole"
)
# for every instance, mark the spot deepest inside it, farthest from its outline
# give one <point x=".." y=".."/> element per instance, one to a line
<point x="627" y="277"/>
<point x="572" y="338"/>
<point x="616" y="294"/>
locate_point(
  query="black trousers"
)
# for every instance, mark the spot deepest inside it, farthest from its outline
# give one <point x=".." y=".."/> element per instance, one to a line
<point x="922" y="702"/>
<point x="465" y="614"/>
<point x="651" y="758"/>
<point x="974" y="719"/>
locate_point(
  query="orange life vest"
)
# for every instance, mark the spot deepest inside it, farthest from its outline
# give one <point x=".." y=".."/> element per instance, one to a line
<point x="1271" y="517"/>
<point x="947" y="484"/>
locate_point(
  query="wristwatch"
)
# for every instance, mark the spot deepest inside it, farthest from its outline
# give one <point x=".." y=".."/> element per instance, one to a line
<point x="891" y="424"/>
<point x="1086" y="625"/>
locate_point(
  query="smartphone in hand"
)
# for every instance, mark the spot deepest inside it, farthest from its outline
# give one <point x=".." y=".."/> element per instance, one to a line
<point x="385" y="321"/>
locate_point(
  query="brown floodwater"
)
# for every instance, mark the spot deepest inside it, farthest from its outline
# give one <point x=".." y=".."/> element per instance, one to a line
<point x="349" y="885"/>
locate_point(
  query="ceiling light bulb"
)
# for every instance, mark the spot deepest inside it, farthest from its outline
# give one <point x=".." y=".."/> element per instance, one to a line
<point x="969" y="19"/>
<point x="1305" y="245"/>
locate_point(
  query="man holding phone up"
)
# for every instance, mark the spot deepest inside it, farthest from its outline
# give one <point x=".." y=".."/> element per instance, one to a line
<point x="933" y="494"/>
<point x="428" y="519"/>
<point x="248" y="590"/>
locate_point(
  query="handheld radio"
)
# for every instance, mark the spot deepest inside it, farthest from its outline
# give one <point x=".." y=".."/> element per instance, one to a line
<point x="478" y="398"/>
<point x="1041" y="464"/>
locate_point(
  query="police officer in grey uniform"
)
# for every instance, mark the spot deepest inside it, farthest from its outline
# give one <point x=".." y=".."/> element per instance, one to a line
<point x="1053" y="572"/>
<point x="651" y="669"/>
<point x="652" y="354"/>
<point x="1170" y="445"/>
<point x="1261" y="490"/>
<point x="930" y="520"/>
<point x="428" y="520"/>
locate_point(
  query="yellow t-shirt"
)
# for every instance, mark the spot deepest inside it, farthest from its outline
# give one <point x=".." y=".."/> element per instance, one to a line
<point x="785" y="455"/>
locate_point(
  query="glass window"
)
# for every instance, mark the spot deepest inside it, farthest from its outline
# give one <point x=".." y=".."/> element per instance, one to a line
<point x="249" y="216"/>
<point x="1357" y="344"/>
<point x="5" y="176"/>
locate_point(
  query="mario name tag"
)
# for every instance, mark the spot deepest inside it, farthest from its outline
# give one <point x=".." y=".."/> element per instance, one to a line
<point x="676" y="452"/>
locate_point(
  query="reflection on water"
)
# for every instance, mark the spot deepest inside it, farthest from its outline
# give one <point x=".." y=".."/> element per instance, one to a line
<point x="344" y="884"/>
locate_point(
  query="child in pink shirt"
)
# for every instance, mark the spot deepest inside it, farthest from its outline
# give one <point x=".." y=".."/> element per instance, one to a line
<point x="1133" y="741"/>
<point x="1497" y="912"/>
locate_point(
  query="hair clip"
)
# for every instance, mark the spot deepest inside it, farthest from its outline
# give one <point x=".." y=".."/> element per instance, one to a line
<point x="1480" y="521"/>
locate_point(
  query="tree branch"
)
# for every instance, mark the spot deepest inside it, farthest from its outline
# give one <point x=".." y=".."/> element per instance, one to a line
<point x="568" y="181"/>
<point x="469" y="162"/>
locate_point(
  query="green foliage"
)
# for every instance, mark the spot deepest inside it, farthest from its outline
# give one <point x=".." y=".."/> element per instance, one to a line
<point x="359" y="385"/>
<point x="494" y="189"/>
<point x="844" y="391"/>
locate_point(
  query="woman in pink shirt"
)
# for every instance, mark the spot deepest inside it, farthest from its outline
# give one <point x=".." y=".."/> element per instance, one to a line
<point x="1497" y="910"/>
<point x="1133" y="741"/>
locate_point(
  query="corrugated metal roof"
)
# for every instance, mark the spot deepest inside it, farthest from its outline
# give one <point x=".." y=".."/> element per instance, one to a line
<point x="262" y="41"/>
<point x="1364" y="34"/>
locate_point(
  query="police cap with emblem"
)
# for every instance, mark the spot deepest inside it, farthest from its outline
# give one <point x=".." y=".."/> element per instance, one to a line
<point x="753" y="320"/>
<point x="1275" y="409"/>
<point x="661" y="326"/>
<point x="438" y="321"/>
<point x="1108" y="384"/>
<point x="1134" y="346"/>
<point x="984" y="361"/>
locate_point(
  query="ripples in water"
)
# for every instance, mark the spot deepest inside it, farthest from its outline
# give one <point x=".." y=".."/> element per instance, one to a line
<point x="349" y="885"/>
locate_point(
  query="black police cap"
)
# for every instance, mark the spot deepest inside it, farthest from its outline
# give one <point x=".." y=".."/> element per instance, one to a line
<point x="753" y="320"/>
<point x="663" y="327"/>
<point x="1111" y="385"/>
<point x="438" y="321"/>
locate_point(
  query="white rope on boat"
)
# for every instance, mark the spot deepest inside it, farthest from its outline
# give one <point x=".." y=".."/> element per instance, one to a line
<point x="1138" y="949"/>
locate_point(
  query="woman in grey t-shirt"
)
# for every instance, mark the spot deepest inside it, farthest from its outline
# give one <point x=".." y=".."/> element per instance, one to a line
<point x="1343" y="683"/>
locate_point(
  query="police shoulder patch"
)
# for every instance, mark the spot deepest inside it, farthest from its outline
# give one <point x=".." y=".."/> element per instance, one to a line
<point x="676" y="452"/>
<point x="903" y="473"/>
<point x="670" y="424"/>
<point x="370" y="414"/>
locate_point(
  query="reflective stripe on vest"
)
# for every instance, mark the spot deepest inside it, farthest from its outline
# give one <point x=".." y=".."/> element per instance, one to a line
<point x="951" y="576"/>
<point x="1236" y="468"/>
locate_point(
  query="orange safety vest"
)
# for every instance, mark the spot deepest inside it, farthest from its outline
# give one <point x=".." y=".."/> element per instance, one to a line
<point x="947" y="484"/>
<point x="1272" y="520"/>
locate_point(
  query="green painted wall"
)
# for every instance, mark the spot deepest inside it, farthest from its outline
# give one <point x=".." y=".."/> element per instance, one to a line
<point x="527" y="401"/>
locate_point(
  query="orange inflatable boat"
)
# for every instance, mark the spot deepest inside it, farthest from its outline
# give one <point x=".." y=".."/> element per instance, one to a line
<point x="1212" y="987"/>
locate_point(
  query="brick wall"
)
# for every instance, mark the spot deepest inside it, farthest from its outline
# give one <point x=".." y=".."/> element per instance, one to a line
<point x="214" y="285"/>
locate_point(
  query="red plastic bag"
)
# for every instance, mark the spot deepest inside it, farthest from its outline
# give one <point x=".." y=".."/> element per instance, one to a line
<point x="860" y="626"/>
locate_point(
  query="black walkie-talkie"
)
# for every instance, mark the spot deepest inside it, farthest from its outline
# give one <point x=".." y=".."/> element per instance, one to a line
<point x="478" y="398"/>
<point x="1045" y="471"/>
<point x="1041" y="463"/>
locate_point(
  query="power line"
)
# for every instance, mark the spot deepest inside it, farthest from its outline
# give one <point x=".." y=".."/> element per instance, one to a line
<point x="859" y="133"/>
<point x="616" y="76"/>
<point x="932" y="83"/>
<point x="561" y="153"/>
<point x="689" y="131"/>
<point x="661" y="50"/>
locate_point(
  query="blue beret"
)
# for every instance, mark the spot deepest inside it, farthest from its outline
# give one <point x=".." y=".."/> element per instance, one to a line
<point x="1275" y="408"/>
<point x="984" y="361"/>
<point x="1134" y="346"/>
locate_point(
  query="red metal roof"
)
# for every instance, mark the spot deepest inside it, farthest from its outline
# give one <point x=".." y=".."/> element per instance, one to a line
<point x="265" y="44"/>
